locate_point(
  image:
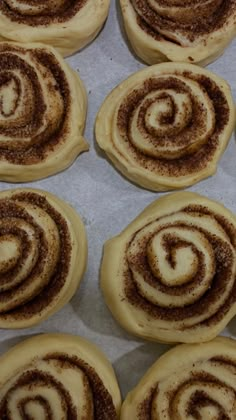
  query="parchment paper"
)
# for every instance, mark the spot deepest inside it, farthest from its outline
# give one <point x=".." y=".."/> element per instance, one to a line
<point x="107" y="202"/>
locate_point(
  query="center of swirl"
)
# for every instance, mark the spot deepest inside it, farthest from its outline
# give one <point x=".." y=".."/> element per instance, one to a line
<point x="29" y="251"/>
<point x="9" y="94"/>
<point x="10" y="251"/>
<point x="157" y="266"/>
<point x="169" y="248"/>
<point x="168" y="118"/>
<point x="27" y="117"/>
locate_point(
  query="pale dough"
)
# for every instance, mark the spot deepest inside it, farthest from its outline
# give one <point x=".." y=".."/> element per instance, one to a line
<point x="43" y="114"/>
<point x="43" y="257"/>
<point x="170" y="276"/>
<point x="191" y="381"/>
<point x="64" y="375"/>
<point x="166" y="33"/>
<point x="53" y="23"/>
<point x="166" y="126"/>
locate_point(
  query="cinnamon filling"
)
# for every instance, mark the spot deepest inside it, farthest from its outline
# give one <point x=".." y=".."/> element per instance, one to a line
<point x="28" y="125"/>
<point x="198" y="399"/>
<point x="103" y="404"/>
<point x="42" y="402"/>
<point x="193" y="157"/>
<point x="45" y="296"/>
<point x="35" y="379"/>
<point x="219" y="283"/>
<point x="187" y="20"/>
<point x="103" y="407"/>
<point x="41" y="13"/>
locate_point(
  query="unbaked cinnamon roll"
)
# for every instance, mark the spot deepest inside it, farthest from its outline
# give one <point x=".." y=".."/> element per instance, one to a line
<point x="57" y="377"/>
<point x="166" y="126"/>
<point x="186" y="31"/>
<point x="188" y="382"/>
<point x="42" y="112"/>
<point x="43" y="255"/>
<point x="171" y="274"/>
<point x="67" y="25"/>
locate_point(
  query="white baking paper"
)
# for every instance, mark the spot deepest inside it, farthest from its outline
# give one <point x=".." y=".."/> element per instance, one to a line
<point x="107" y="203"/>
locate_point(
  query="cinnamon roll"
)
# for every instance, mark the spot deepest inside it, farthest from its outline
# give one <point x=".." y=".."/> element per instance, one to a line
<point x="67" y="25"/>
<point x="42" y="112"/>
<point x="43" y="254"/>
<point x="191" y="381"/>
<point x="170" y="276"/>
<point x="186" y="31"/>
<point x="57" y="376"/>
<point x="166" y="126"/>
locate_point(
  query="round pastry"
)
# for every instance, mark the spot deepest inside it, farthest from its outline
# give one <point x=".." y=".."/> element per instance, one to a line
<point x="43" y="255"/>
<point x="191" y="31"/>
<point x="42" y="112"/>
<point x="171" y="274"/>
<point x="67" y="25"/>
<point x="166" y="126"/>
<point x="57" y="376"/>
<point x="188" y="382"/>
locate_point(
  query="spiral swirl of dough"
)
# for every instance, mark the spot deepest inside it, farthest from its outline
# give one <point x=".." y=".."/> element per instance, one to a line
<point x="43" y="252"/>
<point x="42" y="113"/>
<point x="57" y="377"/>
<point x="67" y="25"/>
<point x="190" y="31"/>
<point x="166" y="126"/>
<point x="188" y="382"/>
<point x="173" y="270"/>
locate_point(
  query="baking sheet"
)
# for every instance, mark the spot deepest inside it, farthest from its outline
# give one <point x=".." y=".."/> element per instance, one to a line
<point x="107" y="202"/>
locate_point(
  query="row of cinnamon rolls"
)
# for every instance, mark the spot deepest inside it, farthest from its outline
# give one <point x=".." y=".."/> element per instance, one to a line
<point x="43" y="256"/>
<point x="164" y="128"/>
<point x="159" y="30"/>
<point x="68" y="378"/>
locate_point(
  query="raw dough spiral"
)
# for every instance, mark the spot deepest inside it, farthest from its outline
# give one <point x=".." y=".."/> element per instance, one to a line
<point x="43" y="254"/>
<point x="171" y="274"/>
<point x="43" y="107"/>
<point x="57" y="376"/>
<point x="67" y="25"/>
<point x="166" y="126"/>
<point x="194" y="31"/>
<point x="189" y="382"/>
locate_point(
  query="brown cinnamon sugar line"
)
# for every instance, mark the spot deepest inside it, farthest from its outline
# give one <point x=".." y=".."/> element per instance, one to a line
<point x="149" y="20"/>
<point x="57" y="281"/>
<point x="46" y="15"/>
<point x="103" y="404"/>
